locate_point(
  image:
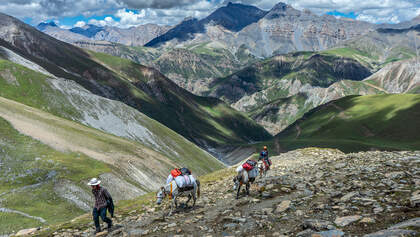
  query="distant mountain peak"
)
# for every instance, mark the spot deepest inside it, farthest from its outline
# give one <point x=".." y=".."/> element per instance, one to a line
<point x="87" y="30"/>
<point x="235" y="16"/>
<point x="281" y="6"/>
<point x="41" y="26"/>
<point x="282" y="9"/>
<point x="189" y="18"/>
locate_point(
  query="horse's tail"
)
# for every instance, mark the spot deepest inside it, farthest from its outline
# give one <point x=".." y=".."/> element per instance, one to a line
<point x="198" y="188"/>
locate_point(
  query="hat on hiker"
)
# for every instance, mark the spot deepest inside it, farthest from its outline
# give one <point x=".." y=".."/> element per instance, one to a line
<point x="94" y="182"/>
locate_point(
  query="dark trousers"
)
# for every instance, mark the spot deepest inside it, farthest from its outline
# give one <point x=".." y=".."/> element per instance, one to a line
<point x="102" y="213"/>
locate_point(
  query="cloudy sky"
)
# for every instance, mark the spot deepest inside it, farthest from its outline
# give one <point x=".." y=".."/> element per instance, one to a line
<point x="126" y="13"/>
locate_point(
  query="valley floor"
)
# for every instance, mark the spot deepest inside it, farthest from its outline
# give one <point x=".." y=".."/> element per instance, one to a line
<point x="308" y="192"/>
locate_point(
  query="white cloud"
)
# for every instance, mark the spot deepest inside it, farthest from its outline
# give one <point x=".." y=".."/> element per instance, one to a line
<point x="375" y="11"/>
<point x="80" y="24"/>
<point x="66" y="27"/>
<point x="173" y="11"/>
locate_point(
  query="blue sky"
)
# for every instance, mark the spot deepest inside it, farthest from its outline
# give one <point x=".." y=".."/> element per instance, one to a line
<point x="351" y="15"/>
<point x="126" y="13"/>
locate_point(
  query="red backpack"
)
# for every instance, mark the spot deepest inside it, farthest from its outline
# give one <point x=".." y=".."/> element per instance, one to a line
<point x="175" y="173"/>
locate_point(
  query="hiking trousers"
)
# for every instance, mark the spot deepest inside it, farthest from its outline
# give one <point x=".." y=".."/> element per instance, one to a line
<point x="101" y="212"/>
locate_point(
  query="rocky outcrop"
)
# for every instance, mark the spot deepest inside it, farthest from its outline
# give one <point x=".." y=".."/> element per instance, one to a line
<point x="298" y="31"/>
<point x="398" y="77"/>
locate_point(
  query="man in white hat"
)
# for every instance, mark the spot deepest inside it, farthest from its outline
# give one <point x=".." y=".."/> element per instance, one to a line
<point x="102" y="197"/>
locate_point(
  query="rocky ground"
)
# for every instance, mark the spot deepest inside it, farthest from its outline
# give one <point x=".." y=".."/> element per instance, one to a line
<point x="308" y="192"/>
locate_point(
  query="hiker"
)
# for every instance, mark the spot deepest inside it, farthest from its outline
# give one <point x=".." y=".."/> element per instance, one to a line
<point x="103" y="202"/>
<point x="264" y="157"/>
<point x="177" y="172"/>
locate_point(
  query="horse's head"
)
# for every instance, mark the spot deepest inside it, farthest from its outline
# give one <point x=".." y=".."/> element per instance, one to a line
<point x="161" y="194"/>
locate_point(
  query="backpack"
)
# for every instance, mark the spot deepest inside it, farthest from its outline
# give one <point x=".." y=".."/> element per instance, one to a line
<point x="175" y="173"/>
<point x="249" y="165"/>
<point x="185" y="171"/>
<point x="252" y="163"/>
<point x="264" y="154"/>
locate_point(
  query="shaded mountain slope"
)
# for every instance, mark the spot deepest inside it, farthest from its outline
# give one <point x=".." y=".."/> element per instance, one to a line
<point x="207" y="122"/>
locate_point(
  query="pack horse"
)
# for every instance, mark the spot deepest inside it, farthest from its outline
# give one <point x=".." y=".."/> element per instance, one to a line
<point x="174" y="190"/>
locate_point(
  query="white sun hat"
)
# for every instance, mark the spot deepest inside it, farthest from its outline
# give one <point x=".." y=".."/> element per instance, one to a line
<point x="94" y="182"/>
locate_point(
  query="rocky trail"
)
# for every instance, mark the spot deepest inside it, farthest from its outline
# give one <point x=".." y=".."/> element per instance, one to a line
<point x="308" y="192"/>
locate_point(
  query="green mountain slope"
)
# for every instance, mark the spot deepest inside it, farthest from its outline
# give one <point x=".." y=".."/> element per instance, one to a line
<point x="355" y="123"/>
<point x="207" y="122"/>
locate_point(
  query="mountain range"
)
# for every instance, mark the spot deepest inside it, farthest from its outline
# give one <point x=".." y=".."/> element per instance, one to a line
<point x="196" y="52"/>
<point x="133" y="36"/>
<point x="280" y="89"/>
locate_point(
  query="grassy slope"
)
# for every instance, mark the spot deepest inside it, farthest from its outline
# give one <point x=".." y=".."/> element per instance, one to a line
<point x="359" y="123"/>
<point x="27" y="161"/>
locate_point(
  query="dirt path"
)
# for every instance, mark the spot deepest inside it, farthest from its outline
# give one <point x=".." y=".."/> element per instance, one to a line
<point x="7" y="210"/>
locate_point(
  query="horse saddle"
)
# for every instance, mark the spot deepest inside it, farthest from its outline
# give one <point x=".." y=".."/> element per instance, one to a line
<point x="188" y="188"/>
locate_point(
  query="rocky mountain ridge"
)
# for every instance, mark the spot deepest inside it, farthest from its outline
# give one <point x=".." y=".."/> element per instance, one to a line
<point x="308" y="192"/>
<point x="133" y="36"/>
<point x="233" y="17"/>
<point x="296" y="30"/>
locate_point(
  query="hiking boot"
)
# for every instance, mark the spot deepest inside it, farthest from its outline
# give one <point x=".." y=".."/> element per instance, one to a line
<point x="109" y="226"/>
<point x="98" y="230"/>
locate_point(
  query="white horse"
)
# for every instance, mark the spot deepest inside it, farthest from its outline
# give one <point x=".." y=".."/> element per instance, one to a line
<point x="244" y="178"/>
<point x="174" y="192"/>
<point x="262" y="168"/>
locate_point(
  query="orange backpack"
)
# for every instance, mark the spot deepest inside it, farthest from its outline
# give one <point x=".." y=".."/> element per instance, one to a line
<point x="175" y="173"/>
